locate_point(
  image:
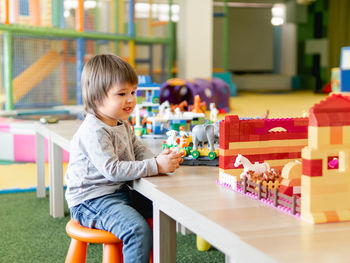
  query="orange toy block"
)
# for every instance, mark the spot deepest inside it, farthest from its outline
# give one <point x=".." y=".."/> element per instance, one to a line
<point x="336" y="135"/>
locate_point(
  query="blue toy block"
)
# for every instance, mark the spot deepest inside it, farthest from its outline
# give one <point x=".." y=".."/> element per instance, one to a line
<point x="345" y="69"/>
<point x="157" y="129"/>
<point x="155" y="93"/>
<point x="148" y="96"/>
<point x="144" y="79"/>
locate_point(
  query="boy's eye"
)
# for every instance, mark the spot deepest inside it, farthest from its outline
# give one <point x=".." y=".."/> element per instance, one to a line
<point x="121" y="94"/>
<point x="133" y="92"/>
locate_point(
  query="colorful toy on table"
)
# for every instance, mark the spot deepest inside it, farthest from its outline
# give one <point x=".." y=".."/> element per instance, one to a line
<point x="147" y="97"/>
<point x="171" y="117"/>
<point x="167" y="116"/>
<point x="204" y="155"/>
<point x="325" y="189"/>
<point x="257" y="140"/>
<point x="188" y="144"/>
<point x="147" y="93"/>
<point x="322" y="179"/>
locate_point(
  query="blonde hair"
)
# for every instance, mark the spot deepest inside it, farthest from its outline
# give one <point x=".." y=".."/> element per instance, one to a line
<point x="98" y="76"/>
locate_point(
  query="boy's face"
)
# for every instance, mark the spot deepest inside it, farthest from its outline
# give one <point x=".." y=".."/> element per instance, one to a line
<point x="118" y="104"/>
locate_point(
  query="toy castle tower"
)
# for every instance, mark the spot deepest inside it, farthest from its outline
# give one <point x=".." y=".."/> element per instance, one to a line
<point x="325" y="189"/>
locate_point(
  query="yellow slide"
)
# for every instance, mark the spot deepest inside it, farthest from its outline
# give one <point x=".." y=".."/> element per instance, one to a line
<point x="35" y="73"/>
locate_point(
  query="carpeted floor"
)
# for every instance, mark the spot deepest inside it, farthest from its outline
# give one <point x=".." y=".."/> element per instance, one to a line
<point x="29" y="234"/>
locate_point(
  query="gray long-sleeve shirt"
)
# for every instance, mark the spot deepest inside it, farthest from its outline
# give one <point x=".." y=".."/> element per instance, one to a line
<point x="103" y="158"/>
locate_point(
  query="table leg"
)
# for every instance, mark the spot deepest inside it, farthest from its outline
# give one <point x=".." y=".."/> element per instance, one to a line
<point x="56" y="180"/>
<point x="228" y="259"/>
<point x="40" y="165"/>
<point x="164" y="237"/>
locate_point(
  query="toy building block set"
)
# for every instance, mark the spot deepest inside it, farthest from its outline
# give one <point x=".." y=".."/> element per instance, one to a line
<point x="302" y="170"/>
<point x="156" y="114"/>
<point x="198" y="147"/>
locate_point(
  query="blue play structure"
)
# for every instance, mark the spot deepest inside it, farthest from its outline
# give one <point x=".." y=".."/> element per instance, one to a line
<point x="226" y="76"/>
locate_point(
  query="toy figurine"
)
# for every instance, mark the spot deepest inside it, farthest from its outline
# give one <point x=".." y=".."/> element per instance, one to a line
<point x="213" y="112"/>
<point x="177" y="113"/>
<point x="165" y="105"/>
<point x="197" y="105"/>
<point x="171" y="141"/>
<point x="205" y="133"/>
<point x="248" y="167"/>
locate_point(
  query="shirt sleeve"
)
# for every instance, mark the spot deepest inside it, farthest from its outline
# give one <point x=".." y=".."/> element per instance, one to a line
<point x="98" y="147"/>
<point x="141" y="151"/>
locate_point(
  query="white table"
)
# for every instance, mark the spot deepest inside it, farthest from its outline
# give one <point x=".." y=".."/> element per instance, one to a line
<point x="58" y="136"/>
<point x="245" y="230"/>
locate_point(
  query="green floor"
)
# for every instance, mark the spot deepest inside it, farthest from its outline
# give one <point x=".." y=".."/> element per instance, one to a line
<point x="29" y="234"/>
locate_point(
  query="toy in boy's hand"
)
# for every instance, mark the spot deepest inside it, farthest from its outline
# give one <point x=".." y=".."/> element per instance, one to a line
<point x="168" y="161"/>
<point x="171" y="141"/>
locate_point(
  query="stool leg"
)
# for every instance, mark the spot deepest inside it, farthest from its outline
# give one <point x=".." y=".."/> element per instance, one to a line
<point x="112" y="253"/>
<point x="76" y="252"/>
<point x="151" y="257"/>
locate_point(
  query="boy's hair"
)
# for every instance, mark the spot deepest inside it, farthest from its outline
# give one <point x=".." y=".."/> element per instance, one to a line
<point x="98" y="76"/>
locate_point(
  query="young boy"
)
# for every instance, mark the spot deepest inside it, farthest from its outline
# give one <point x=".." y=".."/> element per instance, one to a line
<point x="105" y="155"/>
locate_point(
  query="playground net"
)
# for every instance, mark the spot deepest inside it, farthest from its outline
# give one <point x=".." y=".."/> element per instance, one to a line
<point x="44" y="69"/>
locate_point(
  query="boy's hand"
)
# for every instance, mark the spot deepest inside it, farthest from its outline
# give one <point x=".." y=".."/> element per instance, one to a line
<point x="168" y="161"/>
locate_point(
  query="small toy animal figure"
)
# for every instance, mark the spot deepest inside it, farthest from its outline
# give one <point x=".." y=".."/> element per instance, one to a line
<point x="165" y="105"/>
<point x="213" y="112"/>
<point x="171" y="141"/>
<point x="257" y="168"/>
<point x="205" y="133"/>
<point x="168" y="113"/>
<point x="183" y="137"/>
<point x="178" y="113"/>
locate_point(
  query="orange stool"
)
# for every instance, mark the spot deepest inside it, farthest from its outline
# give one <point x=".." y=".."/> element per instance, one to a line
<point x="81" y="236"/>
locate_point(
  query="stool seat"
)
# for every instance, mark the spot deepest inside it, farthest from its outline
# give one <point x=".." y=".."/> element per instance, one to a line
<point x="89" y="235"/>
<point x="81" y="236"/>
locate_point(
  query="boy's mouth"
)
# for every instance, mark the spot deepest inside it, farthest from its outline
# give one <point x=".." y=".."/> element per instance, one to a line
<point x="128" y="109"/>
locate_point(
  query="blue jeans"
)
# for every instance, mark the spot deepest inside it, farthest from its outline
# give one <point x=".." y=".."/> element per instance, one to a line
<point x="122" y="213"/>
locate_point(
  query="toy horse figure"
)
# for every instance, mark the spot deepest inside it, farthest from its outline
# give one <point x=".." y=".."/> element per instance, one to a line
<point x="257" y="168"/>
<point x="171" y="141"/>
